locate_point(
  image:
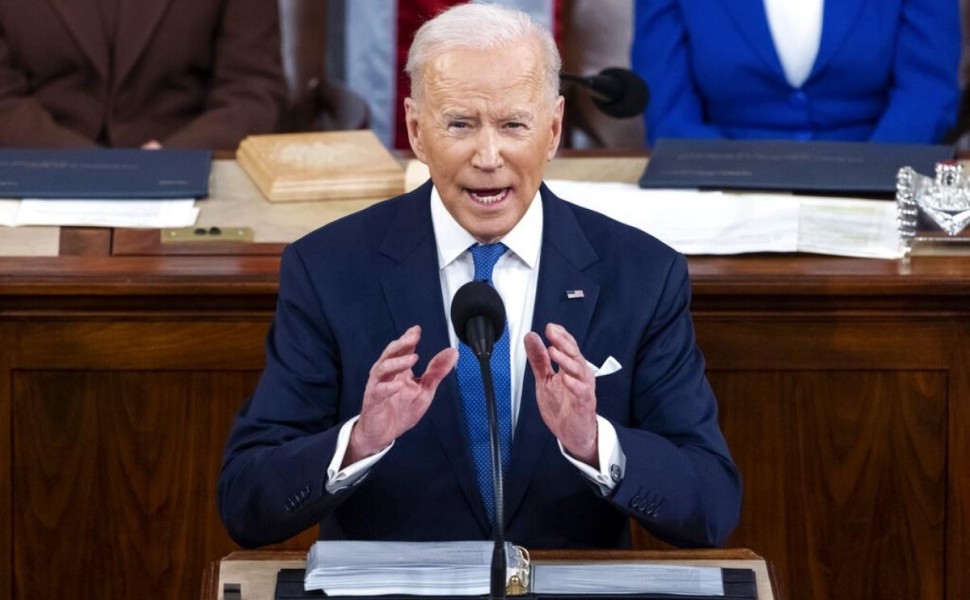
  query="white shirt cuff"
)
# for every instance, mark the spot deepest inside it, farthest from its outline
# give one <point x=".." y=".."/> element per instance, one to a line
<point x="611" y="458"/>
<point x="340" y="479"/>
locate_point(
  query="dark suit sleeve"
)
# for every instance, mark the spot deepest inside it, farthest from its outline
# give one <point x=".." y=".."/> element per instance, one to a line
<point x="247" y="89"/>
<point x="24" y="121"/>
<point x="924" y="92"/>
<point x="680" y="481"/>
<point x="272" y="484"/>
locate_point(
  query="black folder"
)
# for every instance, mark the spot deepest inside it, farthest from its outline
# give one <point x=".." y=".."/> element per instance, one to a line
<point x="104" y="173"/>
<point x="865" y="169"/>
<point x="739" y="584"/>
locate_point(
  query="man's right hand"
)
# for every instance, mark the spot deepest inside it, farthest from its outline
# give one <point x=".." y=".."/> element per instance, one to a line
<point x="394" y="399"/>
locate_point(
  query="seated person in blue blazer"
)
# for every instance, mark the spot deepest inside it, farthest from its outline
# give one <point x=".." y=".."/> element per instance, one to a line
<point x="855" y="70"/>
<point x="365" y="421"/>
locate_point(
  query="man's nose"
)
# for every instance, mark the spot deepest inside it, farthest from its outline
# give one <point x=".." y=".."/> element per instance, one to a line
<point x="488" y="150"/>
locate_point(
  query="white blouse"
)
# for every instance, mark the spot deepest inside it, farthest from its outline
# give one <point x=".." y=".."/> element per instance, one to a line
<point x="796" y="27"/>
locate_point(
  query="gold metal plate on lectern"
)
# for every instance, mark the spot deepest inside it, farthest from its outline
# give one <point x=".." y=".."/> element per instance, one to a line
<point x="207" y="234"/>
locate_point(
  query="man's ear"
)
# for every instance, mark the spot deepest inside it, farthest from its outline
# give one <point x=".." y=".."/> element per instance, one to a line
<point x="556" y="125"/>
<point x="414" y="129"/>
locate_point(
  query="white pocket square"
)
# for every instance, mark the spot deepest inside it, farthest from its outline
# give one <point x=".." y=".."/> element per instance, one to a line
<point x="610" y="365"/>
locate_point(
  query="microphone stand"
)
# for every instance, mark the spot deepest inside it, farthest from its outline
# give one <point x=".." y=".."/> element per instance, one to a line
<point x="498" y="573"/>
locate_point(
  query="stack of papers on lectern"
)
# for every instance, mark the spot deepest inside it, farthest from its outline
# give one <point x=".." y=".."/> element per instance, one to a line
<point x="627" y="578"/>
<point x="349" y="568"/>
<point x="716" y="222"/>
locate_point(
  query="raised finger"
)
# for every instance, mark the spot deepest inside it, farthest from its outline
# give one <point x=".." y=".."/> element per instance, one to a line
<point x="572" y="365"/>
<point x="404" y="344"/>
<point x="538" y="356"/>
<point x="388" y="368"/>
<point x="559" y="336"/>
<point x="438" y="367"/>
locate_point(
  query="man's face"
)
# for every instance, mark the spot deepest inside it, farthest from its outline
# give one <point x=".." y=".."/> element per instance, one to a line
<point x="486" y="128"/>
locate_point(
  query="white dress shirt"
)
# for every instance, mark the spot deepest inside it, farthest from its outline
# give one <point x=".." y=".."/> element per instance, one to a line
<point x="515" y="276"/>
<point x="796" y="28"/>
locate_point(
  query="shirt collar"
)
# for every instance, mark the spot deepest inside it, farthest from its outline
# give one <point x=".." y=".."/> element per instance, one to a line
<point x="524" y="240"/>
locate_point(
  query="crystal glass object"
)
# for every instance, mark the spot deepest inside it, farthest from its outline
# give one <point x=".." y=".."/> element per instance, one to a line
<point x="933" y="209"/>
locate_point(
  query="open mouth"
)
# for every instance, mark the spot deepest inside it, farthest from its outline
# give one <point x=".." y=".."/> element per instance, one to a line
<point x="489" y="195"/>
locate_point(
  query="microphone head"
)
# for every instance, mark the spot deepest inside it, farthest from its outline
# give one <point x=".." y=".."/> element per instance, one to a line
<point x="631" y="96"/>
<point x="477" y="299"/>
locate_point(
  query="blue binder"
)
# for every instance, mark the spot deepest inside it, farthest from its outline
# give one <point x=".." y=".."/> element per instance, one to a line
<point x="115" y="173"/>
<point x="812" y="167"/>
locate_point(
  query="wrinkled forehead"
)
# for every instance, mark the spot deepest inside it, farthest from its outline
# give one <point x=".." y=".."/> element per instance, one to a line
<point x="510" y="75"/>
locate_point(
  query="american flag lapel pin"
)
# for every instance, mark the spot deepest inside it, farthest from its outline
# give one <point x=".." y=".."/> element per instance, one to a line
<point x="574" y="294"/>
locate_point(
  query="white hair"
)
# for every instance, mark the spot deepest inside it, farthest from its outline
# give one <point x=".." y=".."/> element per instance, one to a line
<point x="481" y="27"/>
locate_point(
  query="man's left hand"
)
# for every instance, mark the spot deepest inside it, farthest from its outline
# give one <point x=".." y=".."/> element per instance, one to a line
<point x="567" y="397"/>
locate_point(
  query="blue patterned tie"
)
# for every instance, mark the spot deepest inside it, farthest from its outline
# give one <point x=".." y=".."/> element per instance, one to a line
<point x="473" y="390"/>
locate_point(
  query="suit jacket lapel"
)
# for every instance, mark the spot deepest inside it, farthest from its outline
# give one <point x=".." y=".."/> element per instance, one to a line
<point x="84" y="24"/>
<point x="566" y="253"/>
<point x="136" y="22"/>
<point x="412" y="292"/>
<point x="751" y="21"/>
<point x="838" y="20"/>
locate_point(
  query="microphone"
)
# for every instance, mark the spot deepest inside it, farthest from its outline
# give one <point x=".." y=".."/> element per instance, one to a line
<point x="618" y="92"/>
<point x="478" y="316"/>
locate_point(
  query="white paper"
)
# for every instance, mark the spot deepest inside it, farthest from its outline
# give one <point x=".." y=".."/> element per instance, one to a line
<point x="8" y="212"/>
<point x="716" y="222"/>
<point x="354" y="568"/>
<point x="107" y="213"/>
<point x="626" y="578"/>
<point x="849" y="227"/>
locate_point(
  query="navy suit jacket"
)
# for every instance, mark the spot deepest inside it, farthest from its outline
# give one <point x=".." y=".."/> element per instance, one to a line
<point x="886" y="71"/>
<point x="351" y="287"/>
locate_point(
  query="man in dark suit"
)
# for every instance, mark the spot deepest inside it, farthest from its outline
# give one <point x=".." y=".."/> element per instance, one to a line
<point x="139" y="73"/>
<point x="359" y="420"/>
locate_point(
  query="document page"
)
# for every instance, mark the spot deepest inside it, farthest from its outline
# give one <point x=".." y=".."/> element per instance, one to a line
<point x="626" y="578"/>
<point x="108" y="213"/>
<point x="354" y="568"/>
<point x="716" y="222"/>
<point x="848" y="227"/>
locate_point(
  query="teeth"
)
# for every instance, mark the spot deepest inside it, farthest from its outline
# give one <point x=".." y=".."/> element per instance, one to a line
<point x="489" y="199"/>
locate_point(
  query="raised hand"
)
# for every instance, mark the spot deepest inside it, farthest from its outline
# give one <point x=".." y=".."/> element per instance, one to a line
<point x="394" y="399"/>
<point x="567" y="396"/>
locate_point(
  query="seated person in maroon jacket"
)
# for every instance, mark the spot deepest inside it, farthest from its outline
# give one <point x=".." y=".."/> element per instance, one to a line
<point x="139" y="73"/>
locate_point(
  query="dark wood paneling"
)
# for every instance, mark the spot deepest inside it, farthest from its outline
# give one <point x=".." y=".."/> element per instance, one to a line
<point x="85" y="241"/>
<point x="117" y="425"/>
<point x="6" y="464"/>
<point x="121" y="466"/>
<point x="958" y="467"/>
<point x="210" y="343"/>
<point x="114" y="479"/>
<point x="843" y="471"/>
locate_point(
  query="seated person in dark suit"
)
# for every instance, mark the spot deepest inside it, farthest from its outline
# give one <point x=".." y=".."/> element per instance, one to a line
<point x="367" y="420"/>
<point x="139" y="73"/>
<point x="854" y="70"/>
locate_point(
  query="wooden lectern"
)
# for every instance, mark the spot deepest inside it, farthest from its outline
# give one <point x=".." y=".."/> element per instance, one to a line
<point x="255" y="570"/>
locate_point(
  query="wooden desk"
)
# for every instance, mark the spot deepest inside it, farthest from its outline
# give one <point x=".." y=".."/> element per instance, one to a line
<point x="844" y="391"/>
<point x="256" y="571"/>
